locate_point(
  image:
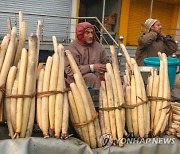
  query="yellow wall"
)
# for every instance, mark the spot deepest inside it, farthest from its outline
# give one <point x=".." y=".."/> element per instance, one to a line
<point x="135" y="12"/>
<point x="174" y="19"/>
<point x="167" y="14"/>
<point x="139" y="12"/>
<point x="124" y="19"/>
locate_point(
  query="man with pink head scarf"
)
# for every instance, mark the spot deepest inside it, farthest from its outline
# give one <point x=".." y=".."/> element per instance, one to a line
<point x="89" y="55"/>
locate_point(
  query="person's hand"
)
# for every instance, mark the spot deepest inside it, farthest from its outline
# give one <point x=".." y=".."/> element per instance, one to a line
<point x="162" y="35"/>
<point x="100" y="68"/>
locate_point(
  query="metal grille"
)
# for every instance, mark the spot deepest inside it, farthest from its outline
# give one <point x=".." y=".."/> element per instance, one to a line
<point x="47" y="11"/>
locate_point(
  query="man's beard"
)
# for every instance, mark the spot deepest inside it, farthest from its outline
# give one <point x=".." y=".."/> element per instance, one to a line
<point x="89" y="41"/>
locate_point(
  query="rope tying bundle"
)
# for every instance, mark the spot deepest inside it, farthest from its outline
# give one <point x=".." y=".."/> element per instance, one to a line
<point x="2" y="88"/>
<point x="124" y="106"/>
<point x="20" y="96"/>
<point x="49" y="93"/>
<point x="82" y="124"/>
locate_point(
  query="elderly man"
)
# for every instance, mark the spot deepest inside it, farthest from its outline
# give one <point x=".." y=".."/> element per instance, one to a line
<point x="149" y="44"/>
<point x="89" y="55"/>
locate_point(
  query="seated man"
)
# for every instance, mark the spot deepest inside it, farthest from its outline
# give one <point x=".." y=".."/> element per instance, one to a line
<point x="150" y="43"/>
<point x="89" y="56"/>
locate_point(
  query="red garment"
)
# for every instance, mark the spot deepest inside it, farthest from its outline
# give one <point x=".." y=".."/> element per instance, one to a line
<point x="85" y="55"/>
<point x="80" y="29"/>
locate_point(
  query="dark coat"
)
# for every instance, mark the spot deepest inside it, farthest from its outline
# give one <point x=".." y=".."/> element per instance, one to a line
<point x="151" y="43"/>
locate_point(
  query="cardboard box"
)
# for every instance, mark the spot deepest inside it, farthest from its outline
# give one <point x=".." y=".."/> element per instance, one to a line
<point x="106" y="20"/>
<point x="110" y="20"/>
<point x="108" y="27"/>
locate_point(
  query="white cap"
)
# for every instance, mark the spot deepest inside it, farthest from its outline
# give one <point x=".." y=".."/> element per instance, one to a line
<point x="149" y="22"/>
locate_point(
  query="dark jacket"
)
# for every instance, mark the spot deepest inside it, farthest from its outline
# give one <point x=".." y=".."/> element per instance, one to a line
<point x="151" y="43"/>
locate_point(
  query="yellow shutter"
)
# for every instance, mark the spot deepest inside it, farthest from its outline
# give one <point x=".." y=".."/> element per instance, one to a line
<point x="140" y="11"/>
<point x="164" y="12"/>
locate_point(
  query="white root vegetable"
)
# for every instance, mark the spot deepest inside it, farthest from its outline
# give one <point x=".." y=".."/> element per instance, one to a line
<point x="128" y="59"/>
<point x="3" y="49"/>
<point x="91" y="129"/>
<point x="146" y="107"/>
<point x="31" y="118"/>
<point x="38" y="34"/>
<point x="21" y="87"/>
<point x="20" y="20"/>
<point x="7" y="60"/>
<point x="13" y="104"/>
<point x="74" y="114"/>
<point x="178" y="135"/>
<point x="118" y="118"/>
<point x="134" y="112"/>
<point x="166" y="95"/>
<point x="9" y="86"/>
<point x="75" y="69"/>
<point x="59" y="97"/>
<point x="149" y="93"/>
<point x="65" y="118"/>
<point x="96" y="121"/>
<point x="30" y="78"/>
<point x="55" y="44"/>
<point x="9" y="26"/>
<point x="81" y="111"/>
<point x="163" y="127"/>
<point x="175" y="107"/>
<point x="53" y="87"/>
<point x="160" y="93"/>
<point x="105" y="105"/>
<point x="110" y="104"/>
<point x="45" y="105"/>
<point x="101" y="113"/>
<point x="176" y="122"/>
<point x="176" y="112"/>
<point x="128" y="111"/>
<point x="176" y="117"/>
<point x="118" y="82"/>
<point x="172" y="131"/>
<point x="154" y="94"/>
<point x="21" y="43"/>
<point x="139" y="95"/>
<point x="39" y="99"/>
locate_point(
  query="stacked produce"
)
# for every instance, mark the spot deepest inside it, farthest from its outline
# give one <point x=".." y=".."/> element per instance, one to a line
<point x="137" y="118"/>
<point x="22" y="38"/>
<point x="10" y="47"/>
<point x="52" y="101"/>
<point x="7" y="53"/>
<point x="20" y="91"/>
<point x="174" y="121"/>
<point x="21" y="88"/>
<point x="112" y="118"/>
<point x="82" y="110"/>
<point x="138" y="109"/>
<point x="158" y="91"/>
<point x="129" y="89"/>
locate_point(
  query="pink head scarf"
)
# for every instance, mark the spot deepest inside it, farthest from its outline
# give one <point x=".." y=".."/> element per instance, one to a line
<point x="80" y="29"/>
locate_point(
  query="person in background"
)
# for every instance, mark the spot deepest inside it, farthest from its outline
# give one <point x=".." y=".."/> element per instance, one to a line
<point x="89" y="55"/>
<point x="150" y="43"/>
